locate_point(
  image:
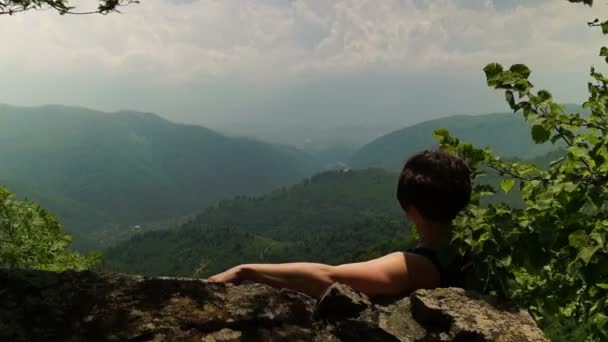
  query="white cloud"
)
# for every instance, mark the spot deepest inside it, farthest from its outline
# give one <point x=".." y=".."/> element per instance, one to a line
<point x="267" y="38"/>
<point x="275" y="42"/>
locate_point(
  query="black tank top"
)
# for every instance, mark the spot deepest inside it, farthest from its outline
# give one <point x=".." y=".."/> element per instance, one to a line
<point x="451" y="275"/>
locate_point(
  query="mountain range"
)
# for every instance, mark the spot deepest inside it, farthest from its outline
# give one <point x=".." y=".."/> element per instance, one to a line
<point x="507" y="134"/>
<point x="108" y="176"/>
<point x="97" y="170"/>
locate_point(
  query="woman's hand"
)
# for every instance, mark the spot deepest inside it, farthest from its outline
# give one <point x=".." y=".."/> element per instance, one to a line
<point x="233" y="275"/>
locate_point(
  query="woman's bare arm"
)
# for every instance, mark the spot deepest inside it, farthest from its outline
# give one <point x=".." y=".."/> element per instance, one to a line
<point x="391" y="274"/>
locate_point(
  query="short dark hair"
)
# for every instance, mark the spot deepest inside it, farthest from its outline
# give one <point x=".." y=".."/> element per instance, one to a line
<point x="436" y="183"/>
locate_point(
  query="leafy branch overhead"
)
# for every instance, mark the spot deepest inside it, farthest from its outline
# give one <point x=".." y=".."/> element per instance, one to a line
<point x="551" y="254"/>
<point x="10" y="7"/>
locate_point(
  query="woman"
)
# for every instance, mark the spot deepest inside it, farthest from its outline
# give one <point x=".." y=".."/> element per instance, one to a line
<point x="433" y="188"/>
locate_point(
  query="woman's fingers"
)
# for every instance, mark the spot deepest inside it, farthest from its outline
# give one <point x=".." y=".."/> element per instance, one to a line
<point x="215" y="279"/>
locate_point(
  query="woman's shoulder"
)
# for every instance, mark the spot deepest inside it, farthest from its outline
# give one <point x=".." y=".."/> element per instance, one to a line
<point x="451" y="266"/>
<point x="422" y="270"/>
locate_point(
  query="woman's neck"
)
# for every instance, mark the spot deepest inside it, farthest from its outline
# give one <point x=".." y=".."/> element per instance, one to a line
<point x="432" y="235"/>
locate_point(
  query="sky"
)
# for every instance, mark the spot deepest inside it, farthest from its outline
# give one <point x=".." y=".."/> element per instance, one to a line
<point x="314" y="63"/>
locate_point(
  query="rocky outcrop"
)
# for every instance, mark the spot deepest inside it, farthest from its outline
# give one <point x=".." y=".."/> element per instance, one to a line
<point x="88" y="306"/>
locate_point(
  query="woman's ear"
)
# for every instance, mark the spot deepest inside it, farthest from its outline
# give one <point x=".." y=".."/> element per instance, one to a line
<point x="413" y="214"/>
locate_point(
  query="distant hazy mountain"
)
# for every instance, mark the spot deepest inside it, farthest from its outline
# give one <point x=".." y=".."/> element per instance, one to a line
<point x="330" y="145"/>
<point x="328" y="218"/>
<point x="316" y="136"/>
<point x="94" y="168"/>
<point x="507" y="133"/>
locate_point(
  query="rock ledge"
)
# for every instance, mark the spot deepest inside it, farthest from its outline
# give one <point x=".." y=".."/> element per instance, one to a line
<point x="88" y="306"/>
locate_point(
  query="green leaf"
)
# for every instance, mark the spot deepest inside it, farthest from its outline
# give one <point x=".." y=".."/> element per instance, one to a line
<point x="577" y="151"/>
<point x="492" y="71"/>
<point x="578" y="239"/>
<point x="605" y="27"/>
<point x="520" y="69"/>
<point x="506" y="261"/>
<point x="597" y="237"/>
<point x="540" y="134"/>
<point x="602" y="286"/>
<point x="591" y="138"/>
<point x="544" y="95"/>
<point x="600" y="320"/>
<point x="441" y="134"/>
<point x="587" y="253"/>
<point x="510" y="99"/>
<point x="604" y="51"/>
<point x="507" y="184"/>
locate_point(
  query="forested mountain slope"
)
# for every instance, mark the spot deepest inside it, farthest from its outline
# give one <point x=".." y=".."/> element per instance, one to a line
<point x="507" y="133"/>
<point x="331" y="217"/>
<point x="93" y="168"/>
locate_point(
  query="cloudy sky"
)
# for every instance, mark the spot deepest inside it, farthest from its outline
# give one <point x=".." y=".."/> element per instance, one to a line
<point x="330" y="62"/>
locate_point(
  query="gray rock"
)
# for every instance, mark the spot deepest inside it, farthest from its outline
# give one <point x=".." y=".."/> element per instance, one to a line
<point x="458" y="315"/>
<point x="340" y="301"/>
<point x="88" y="306"/>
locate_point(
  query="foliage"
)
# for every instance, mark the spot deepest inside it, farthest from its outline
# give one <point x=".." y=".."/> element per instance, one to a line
<point x="30" y="237"/>
<point x="10" y="7"/>
<point x="551" y="254"/>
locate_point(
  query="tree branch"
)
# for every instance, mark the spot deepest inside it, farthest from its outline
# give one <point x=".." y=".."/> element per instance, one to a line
<point x="510" y="173"/>
<point x="11" y="7"/>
